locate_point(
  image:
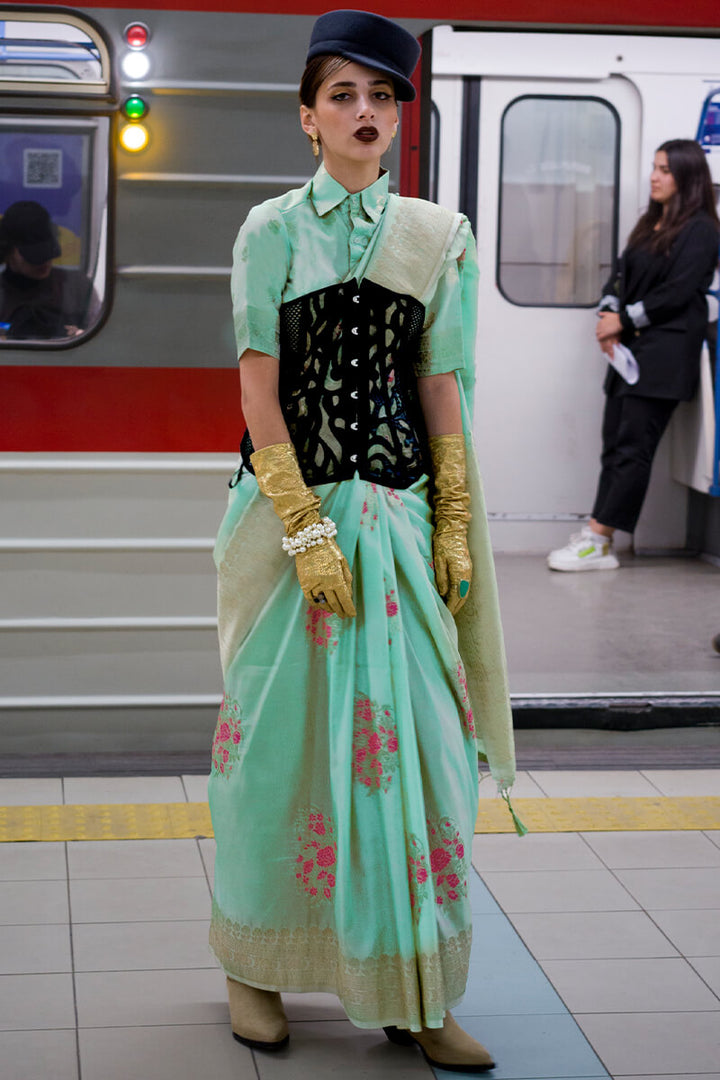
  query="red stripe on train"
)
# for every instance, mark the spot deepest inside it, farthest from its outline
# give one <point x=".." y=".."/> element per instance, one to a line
<point x="607" y="13"/>
<point x="144" y="410"/>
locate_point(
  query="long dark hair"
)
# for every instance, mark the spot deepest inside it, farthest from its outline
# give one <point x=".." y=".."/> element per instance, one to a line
<point x="689" y="168"/>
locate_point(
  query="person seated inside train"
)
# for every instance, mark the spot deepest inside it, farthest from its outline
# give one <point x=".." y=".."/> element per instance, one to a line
<point x="39" y="301"/>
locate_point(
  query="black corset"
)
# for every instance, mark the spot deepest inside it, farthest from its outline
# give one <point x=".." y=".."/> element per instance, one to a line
<point x="347" y="385"/>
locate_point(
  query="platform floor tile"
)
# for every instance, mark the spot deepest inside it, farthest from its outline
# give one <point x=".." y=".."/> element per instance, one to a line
<point x="693" y="933"/>
<point x="171" y="1052"/>
<point x="595" y="935"/>
<point x="44" y="1054"/>
<point x="646" y="984"/>
<point x="663" y="1044"/>
<point x="596" y="947"/>
<point x="668" y="889"/>
<point x="537" y="1048"/>
<point x="142" y="946"/>
<point x="653" y="850"/>
<point x="123" y="789"/>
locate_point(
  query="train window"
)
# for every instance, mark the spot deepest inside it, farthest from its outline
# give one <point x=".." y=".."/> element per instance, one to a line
<point x="558" y="200"/>
<point x="53" y="52"/>
<point x="54" y="166"/>
<point x="709" y="132"/>
<point x="53" y="228"/>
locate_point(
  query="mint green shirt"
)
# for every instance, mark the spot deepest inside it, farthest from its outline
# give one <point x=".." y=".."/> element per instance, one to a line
<point x="320" y="234"/>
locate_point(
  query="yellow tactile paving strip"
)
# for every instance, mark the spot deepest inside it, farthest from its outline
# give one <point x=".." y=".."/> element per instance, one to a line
<point x="175" y="821"/>
<point x="617" y="814"/>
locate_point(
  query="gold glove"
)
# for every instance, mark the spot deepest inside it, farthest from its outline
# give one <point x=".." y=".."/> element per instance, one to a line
<point x="453" y="565"/>
<point x="322" y="569"/>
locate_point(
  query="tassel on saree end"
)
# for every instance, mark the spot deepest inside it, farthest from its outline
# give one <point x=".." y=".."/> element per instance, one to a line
<point x="520" y="829"/>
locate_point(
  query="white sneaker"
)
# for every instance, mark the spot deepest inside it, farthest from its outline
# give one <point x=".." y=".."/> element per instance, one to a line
<point x="587" y="550"/>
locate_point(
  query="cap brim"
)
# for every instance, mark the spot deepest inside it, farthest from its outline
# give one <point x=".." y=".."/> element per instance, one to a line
<point x="404" y="89"/>
<point x="41" y="252"/>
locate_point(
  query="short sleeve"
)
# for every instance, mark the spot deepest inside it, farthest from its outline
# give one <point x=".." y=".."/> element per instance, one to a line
<point x="261" y="260"/>
<point x="448" y="338"/>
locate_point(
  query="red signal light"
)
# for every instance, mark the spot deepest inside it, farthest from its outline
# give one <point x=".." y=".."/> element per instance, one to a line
<point x="137" y="35"/>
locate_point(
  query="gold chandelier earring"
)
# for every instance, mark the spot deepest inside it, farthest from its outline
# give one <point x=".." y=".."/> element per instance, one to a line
<point x="315" y="144"/>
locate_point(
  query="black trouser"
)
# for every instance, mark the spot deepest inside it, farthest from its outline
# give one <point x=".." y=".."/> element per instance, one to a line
<point x="632" y="428"/>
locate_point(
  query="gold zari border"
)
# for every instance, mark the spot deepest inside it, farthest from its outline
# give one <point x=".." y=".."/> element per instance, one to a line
<point x="375" y="992"/>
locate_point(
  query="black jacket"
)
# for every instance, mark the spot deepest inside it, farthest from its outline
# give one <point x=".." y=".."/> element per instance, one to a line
<point x="42" y="309"/>
<point x="672" y="289"/>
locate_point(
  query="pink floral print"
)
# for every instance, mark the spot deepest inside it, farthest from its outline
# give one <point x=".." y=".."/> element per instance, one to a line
<point x="391" y="605"/>
<point x="375" y="745"/>
<point x="369" y="512"/>
<point x="227" y="744"/>
<point x="467" y="720"/>
<point x="316" y="854"/>
<point x="447" y="861"/>
<point x="321" y="628"/>
<point x="418" y="876"/>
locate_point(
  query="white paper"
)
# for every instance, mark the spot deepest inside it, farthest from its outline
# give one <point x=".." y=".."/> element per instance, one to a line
<point x="625" y="364"/>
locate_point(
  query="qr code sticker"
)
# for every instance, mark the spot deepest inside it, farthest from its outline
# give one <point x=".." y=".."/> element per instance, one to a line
<point x="42" y="168"/>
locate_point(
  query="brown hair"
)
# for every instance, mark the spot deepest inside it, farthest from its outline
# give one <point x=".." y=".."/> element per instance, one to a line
<point x="689" y="168"/>
<point x="317" y="71"/>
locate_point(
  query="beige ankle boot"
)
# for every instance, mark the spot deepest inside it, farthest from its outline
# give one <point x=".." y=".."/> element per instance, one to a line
<point x="257" y="1016"/>
<point x="448" y="1047"/>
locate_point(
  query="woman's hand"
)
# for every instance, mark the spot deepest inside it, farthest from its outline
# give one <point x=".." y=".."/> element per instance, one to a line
<point x="440" y="402"/>
<point x="324" y="575"/>
<point x="452" y="562"/>
<point x="325" y="579"/>
<point x="608" y="326"/>
<point x="451" y="556"/>
<point x="609" y="344"/>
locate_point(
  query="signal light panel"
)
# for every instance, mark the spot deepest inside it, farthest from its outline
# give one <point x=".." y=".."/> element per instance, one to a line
<point x="135" y="65"/>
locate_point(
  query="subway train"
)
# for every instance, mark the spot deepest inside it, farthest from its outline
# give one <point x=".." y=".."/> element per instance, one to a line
<point x="145" y="134"/>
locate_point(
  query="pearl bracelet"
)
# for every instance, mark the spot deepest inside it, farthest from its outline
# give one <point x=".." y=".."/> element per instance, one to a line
<point x="309" y="537"/>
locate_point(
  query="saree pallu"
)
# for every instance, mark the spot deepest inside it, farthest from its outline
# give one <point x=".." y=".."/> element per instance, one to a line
<point x="343" y="788"/>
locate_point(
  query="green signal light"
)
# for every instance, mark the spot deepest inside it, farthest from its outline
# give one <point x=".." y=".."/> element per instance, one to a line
<point x="135" y="108"/>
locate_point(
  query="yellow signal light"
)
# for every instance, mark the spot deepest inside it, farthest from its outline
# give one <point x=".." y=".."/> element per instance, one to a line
<point x="134" y="137"/>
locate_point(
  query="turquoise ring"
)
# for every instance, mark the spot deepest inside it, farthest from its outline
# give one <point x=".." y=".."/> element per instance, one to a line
<point x="463" y="589"/>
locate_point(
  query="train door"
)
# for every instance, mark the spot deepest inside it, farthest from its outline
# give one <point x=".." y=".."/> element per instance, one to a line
<point x="549" y="171"/>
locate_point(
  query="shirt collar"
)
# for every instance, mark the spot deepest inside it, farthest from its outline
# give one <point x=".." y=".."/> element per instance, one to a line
<point x="326" y="193"/>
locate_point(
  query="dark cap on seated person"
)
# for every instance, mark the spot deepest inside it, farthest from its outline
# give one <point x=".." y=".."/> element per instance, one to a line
<point x="371" y="40"/>
<point x="27" y="226"/>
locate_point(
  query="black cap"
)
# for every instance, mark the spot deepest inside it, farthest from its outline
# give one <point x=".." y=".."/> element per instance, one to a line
<point x="371" y="40"/>
<point x="27" y="226"/>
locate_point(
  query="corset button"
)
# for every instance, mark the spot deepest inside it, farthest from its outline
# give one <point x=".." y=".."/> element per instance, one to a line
<point x="355" y="330"/>
<point x="355" y="361"/>
<point x="356" y="299"/>
<point x="354" y="394"/>
<point x="353" y="457"/>
<point x="353" y="427"/>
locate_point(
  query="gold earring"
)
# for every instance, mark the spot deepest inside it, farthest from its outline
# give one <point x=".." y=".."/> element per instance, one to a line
<point x="394" y="133"/>
<point x="315" y="144"/>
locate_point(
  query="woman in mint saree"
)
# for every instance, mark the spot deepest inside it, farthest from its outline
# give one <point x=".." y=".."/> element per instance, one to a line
<point x="363" y="661"/>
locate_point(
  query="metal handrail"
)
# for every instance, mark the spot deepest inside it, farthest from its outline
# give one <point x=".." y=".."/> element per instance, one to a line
<point x="714" y="488"/>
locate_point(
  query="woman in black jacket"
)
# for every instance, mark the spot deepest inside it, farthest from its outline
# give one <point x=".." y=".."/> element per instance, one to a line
<point x="654" y="304"/>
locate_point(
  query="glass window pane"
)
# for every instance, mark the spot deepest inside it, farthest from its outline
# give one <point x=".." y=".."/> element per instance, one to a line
<point x="46" y="50"/>
<point x="558" y="200"/>
<point x="53" y="226"/>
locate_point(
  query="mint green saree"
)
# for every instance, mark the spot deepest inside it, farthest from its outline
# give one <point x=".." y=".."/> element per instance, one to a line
<point x="343" y="788"/>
